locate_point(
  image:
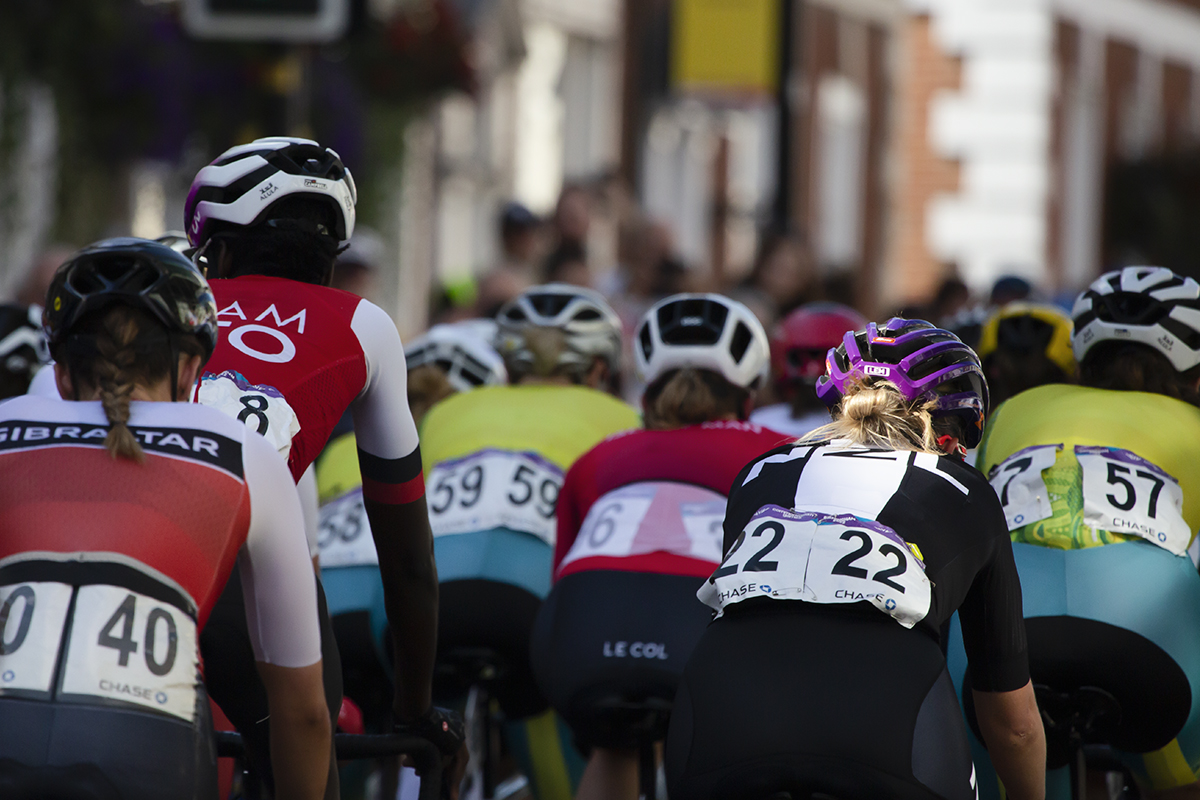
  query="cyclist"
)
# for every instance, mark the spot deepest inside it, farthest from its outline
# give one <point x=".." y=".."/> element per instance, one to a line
<point x="121" y="514"/>
<point x="845" y="553"/>
<point x="449" y="358"/>
<point x="639" y="528"/>
<point x="1023" y="345"/>
<point x="798" y="348"/>
<point x="1101" y="492"/>
<point x="23" y="349"/>
<point x="495" y="458"/>
<point x="269" y="218"/>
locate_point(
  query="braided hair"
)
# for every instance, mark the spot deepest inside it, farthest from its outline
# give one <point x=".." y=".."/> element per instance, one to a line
<point x="113" y="351"/>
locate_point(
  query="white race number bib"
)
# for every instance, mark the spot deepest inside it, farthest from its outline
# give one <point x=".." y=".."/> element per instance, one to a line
<point x="32" y="616"/>
<point x="494" y="488"/>
<point x="1125" y="493"/>
<point x="262" y="408"/>
<point x="132" y="648"/>
<point x="344" y="535"/>
<point x="1018" y="481"/>
<point x="646" y="517"/>
<point x="822" y="558"/>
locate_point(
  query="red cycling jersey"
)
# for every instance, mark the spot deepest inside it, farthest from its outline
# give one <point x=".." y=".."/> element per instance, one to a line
<point x="207" y="494"/>
<point x="653" y="501"/>
<point x="326" y="351"/>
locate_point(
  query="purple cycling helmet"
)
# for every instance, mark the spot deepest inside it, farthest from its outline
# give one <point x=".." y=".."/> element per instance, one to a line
<point x="923" y="361"/>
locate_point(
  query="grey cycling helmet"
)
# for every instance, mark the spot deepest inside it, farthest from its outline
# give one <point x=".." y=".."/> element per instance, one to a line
<point x="591" y="329"/>
<point x="1151" y="306"/>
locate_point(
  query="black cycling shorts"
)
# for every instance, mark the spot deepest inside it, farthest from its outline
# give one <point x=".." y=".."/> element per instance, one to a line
<point x="232" y="678"/>
<point x="51" y="750"/>
<point x="487" y="620"/>
<point x="787" y="696"/>
<point x="608" y="644"/>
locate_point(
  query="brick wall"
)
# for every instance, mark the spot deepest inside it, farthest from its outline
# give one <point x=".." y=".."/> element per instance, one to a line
<point x="913" y="273"/>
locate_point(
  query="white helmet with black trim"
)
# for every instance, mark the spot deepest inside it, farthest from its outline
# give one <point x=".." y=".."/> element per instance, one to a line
<point x="702" y="331"/>
<point x="591" y="329"/>
<point x="463" y="351"/>
<point x="1152" y="306"/>
<point x="244" y="183"/>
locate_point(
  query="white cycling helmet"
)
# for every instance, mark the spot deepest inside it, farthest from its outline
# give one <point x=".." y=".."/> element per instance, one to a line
<point x="1149" y="305"/>
<point x="463" y="351"/>
<point x="703" y="331"/>
<point x="245" y="182"/>
<point x="591" y="328"/>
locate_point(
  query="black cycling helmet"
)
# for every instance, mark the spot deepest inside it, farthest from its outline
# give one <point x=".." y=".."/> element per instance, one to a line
<point x="23" y="348"/>
<point x="135" y="272"/>
<point x="923" y="361"/>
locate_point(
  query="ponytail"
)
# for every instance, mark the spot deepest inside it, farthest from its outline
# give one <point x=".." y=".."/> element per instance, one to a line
<point x="114" y="350"/>
<point x="877" y="415"/>
<point x="691" y="396"/>
<point x="112" y="371"/>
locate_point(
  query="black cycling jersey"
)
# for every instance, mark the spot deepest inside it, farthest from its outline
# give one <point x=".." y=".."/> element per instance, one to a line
<point x="824" y="672"/>
<point x="946" y="509"/>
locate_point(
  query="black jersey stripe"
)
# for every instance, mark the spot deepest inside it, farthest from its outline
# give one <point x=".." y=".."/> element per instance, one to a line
<point x="390" y="470"/>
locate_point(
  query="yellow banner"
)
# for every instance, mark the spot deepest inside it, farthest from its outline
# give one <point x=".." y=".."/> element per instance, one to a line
<point x="726" y="46"/>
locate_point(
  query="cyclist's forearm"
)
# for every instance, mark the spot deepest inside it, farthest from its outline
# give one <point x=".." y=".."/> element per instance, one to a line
<point x="410" y="586"/>
<point x="1016" y="742"/>
<point x="300" y="729"/>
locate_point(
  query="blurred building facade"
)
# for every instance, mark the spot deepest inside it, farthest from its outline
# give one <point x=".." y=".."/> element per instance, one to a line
<point x="932" y="137"/>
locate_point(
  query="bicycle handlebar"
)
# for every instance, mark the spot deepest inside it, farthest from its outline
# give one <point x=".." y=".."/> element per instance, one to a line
<point x="426" y="758"/>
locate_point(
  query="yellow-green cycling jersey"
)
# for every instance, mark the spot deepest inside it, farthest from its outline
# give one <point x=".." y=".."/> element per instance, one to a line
<point x="1127" y="468"/>
<point x="560" y="423"/>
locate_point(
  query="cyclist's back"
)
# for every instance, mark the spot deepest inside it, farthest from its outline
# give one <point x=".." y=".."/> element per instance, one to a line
<point x="1101" y="489"/>
<point x="845" y="555"/>
<point x="120" y="522"/>
<point x="496" y="457"/>
<point x="543" y="428"/>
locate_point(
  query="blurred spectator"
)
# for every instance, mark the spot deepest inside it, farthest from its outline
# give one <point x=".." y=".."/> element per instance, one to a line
<point x="357" y="265"/>
<point x="37" y="281"/>
<point x="952" y="296"/>
<point x="494" y="290"/>
<point x="967" y="324"/>
<point x="568" y="264"/>
<point x="783" y="278"/>
<point x="1009" y="289"/>
<point x="520" y="242"/>
<point x="572" y="217"/>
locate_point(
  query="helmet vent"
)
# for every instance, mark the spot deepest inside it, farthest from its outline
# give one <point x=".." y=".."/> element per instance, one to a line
<point x="692" y="322"/>
<point x="646" y="342"/>
<point x="741" y="341"/>
<point x="587" y="315"/>
<point x="549" y="305"/>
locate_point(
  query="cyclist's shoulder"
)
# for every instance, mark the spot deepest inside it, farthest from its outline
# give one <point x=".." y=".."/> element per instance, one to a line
<point x="285" y="290"/>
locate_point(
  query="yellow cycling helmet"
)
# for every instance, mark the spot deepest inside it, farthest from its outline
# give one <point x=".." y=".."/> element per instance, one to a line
<point x="1026" y="327"/>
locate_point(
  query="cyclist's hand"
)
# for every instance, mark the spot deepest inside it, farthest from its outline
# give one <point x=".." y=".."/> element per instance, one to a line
<point x="447" y="731"/>
<point x="454" y="768"/>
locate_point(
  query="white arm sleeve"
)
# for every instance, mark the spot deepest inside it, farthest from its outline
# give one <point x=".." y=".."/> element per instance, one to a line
<point x="383" y="423"/>
<point x="307" y="488"/>
<point x="277" y="575"/>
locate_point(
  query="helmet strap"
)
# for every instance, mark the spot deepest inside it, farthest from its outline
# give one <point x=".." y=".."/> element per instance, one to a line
<point x="174" y="340"/>
<point x="951" y="446"/>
